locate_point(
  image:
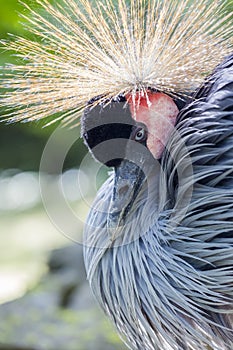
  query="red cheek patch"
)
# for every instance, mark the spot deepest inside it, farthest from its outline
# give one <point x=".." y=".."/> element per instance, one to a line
<point x="158" y="112"/>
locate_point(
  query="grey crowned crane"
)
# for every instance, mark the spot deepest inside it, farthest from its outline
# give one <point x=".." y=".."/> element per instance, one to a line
<point x="153" y="82"/>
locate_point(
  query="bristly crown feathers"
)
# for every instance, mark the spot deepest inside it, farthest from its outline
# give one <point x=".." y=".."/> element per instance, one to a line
<point x="87" y="48"/>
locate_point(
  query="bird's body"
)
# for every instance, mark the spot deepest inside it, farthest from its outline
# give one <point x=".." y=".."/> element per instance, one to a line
<point x="158" y="242"/>
<point x="166" y="281"/>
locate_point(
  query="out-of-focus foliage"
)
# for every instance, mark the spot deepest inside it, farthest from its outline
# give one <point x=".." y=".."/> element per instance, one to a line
<point x="21" y="145"/>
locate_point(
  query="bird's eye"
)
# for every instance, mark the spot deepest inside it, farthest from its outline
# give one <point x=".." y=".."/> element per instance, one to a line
<point x="140" y="134"/>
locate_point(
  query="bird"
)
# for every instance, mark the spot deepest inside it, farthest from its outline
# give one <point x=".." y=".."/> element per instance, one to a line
<point x="153" y="84"/>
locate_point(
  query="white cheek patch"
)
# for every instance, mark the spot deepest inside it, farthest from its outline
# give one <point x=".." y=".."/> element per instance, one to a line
<point x="159" y="116"/>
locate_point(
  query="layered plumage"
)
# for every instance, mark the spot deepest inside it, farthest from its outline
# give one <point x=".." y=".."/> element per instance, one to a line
<point x="158" y="242"/>
<point x="166" y="280"/>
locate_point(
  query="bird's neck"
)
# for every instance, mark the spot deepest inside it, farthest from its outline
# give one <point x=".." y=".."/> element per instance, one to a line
<point x="144" y="213"/>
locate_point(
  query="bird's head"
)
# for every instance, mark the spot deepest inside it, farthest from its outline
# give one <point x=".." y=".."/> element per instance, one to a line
<point x="130" y="135"/>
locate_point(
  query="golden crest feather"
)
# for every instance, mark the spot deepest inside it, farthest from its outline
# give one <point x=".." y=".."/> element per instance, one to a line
<point x="83" y="49"/>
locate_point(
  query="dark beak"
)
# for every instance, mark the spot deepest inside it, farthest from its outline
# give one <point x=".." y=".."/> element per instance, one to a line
<point x="129" y="179"/>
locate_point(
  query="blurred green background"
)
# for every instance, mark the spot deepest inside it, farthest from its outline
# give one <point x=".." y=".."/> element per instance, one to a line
<point x="45" y="302"/>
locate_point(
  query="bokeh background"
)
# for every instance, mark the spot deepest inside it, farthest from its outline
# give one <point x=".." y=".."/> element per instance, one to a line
<point x="45" y="302"/>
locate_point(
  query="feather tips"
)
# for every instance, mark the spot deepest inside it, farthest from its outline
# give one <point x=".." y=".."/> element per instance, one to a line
<point x="86" y="49"/>
<point x="172" y="287"/>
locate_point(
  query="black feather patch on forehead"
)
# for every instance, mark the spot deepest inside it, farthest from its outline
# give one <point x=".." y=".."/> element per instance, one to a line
<point x="106" y="129"/>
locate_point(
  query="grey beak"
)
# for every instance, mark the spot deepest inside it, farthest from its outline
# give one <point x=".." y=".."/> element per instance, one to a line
<point x="127" y="183"/>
